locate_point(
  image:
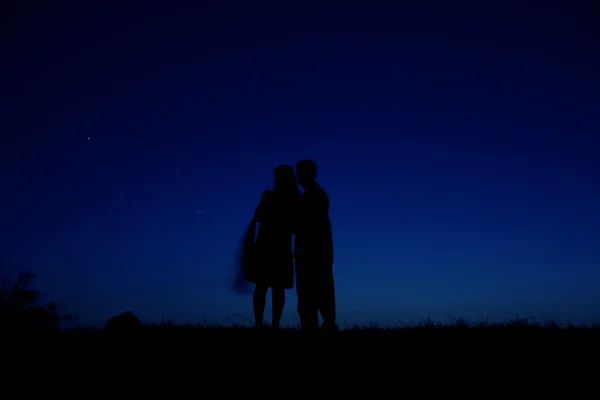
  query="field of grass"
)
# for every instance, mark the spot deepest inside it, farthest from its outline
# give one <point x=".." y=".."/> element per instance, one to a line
<point x="517" y="327"/>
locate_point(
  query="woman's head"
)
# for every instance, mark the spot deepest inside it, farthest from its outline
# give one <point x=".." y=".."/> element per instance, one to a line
<point x="285" y="180"/>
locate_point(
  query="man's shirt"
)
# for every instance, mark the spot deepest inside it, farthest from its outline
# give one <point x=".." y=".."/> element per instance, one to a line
<point x="314" y="239"/>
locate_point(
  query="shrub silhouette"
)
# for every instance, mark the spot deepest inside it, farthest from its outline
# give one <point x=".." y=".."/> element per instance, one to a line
<point x="21" y="310"/>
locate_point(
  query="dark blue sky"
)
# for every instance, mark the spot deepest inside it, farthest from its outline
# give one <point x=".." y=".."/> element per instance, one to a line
<point x="459" y="147"/>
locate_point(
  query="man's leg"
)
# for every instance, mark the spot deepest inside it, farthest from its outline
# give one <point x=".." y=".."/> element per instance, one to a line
<point x="277" y="302"/>
<point x="307" y="305"/>
<point x="327" y="299"/>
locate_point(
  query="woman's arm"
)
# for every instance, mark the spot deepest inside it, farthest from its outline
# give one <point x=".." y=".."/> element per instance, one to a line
<point x="294" y="216"/>
<point x="259" y="213"/>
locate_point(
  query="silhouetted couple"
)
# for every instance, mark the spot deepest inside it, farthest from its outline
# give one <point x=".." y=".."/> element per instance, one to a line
<point x="281" y="213"/>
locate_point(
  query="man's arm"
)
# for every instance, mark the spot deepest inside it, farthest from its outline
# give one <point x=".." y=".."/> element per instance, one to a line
<point x="327" y="238"/>
<point x="316" y="215"/>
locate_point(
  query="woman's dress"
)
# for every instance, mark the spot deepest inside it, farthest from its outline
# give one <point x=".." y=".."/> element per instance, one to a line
<point x="272" y="261"/>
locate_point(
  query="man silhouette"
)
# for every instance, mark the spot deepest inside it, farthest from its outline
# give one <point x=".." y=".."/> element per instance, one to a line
<point x="313" y="251"/>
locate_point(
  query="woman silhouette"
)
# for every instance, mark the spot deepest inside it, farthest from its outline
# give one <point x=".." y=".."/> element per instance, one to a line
<point x="272" y="264"/>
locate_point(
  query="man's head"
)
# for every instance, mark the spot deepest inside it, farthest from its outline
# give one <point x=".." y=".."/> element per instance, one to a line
<point x="306" y="170"/>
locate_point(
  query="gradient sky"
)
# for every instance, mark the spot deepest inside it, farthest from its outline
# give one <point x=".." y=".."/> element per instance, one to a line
<point x="459" y="148"/>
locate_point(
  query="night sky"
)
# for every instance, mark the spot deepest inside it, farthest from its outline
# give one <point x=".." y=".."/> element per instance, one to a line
<point x="459" y="148"/>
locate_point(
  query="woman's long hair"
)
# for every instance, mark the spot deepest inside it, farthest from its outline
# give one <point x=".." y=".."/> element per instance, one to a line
<point x="243" y="259"/>
<point x="284" y="184"/>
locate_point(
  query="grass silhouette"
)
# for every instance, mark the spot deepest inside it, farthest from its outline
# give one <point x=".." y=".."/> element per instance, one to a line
<point x="21" y="312"/>
<point x="518" y="327"/>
